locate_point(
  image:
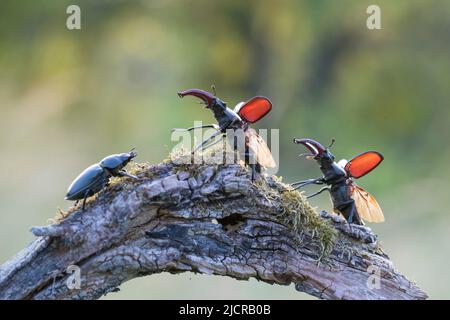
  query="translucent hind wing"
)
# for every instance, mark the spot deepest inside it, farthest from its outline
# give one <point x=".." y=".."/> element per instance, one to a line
<point x="259" y="148"/>
<point x="368" y="208"/>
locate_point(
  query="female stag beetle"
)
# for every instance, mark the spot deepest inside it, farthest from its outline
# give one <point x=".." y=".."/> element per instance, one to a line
<point x="97" y="176"/>
<point x="256" y="153"/>
<point x="349" y="199"/>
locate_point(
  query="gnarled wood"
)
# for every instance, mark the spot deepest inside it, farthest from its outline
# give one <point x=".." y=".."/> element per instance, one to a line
<point x="206" y="219"/>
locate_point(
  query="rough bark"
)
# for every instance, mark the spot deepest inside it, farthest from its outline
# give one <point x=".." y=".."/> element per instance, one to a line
<point x="204" y="219"/>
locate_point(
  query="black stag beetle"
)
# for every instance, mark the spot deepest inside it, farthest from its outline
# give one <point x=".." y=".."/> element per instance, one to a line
<point x="97" y="176"/>
<point x="256" y="153"/>
<point x="348" y="199"/>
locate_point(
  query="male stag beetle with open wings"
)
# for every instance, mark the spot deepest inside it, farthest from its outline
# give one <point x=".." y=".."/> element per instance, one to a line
<point x="350" y="200"/>
<point x="256" y="153"/>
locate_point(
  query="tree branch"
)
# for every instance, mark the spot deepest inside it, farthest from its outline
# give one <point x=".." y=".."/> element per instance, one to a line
<point x="208" y="219"/>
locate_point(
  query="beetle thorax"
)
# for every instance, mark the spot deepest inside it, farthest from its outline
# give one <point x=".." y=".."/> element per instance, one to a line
<point x="115" y="162"/>
<point x="333" y="173"/>
<point x="224" y="115"/>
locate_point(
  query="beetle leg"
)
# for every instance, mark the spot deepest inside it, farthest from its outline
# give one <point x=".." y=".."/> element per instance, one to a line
<point x="309" y="181"/>
<point x="214" y="126"/>
<point x="353" y="216"/>
<point x="301" y="184"/>
<point x="350" y="213"/>
<point x="318" y="192"/>
<point x="253" y="167"/>
<point x="84" y="200"/>
<point x="206" y="141"/>
<point x="214" y="143"/>
<point x="123" y="173"/>
<point x="298" y="187"/>
<point x="256" y="168"/>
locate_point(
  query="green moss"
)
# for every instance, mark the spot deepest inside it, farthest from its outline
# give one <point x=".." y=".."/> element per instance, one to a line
<point x="267" y="191"/>
<point x="141" y="169"/>
<point x="298" y="213"/>
<point x="60" y="215"/>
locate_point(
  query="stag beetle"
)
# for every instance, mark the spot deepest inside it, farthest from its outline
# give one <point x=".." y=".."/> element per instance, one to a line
<point x="97" y="176"/>
<point x="237" y="119"/>
<point x="348" y="198"/>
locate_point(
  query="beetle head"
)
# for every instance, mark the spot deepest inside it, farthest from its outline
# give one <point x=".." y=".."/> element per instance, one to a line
<point x="127" y="156"/>
<point x="132" y="154"/>
<point x="318" y="152"/>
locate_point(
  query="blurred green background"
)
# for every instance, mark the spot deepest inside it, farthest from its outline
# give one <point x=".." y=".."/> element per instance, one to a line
<point x="68" y="98"/>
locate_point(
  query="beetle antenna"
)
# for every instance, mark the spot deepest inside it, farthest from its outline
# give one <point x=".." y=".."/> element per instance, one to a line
<point x="333" y="140"/>
<point x="213" y="88"/>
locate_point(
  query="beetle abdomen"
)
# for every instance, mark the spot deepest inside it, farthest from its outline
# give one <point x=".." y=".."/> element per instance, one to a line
<point x="93" y="179"/>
